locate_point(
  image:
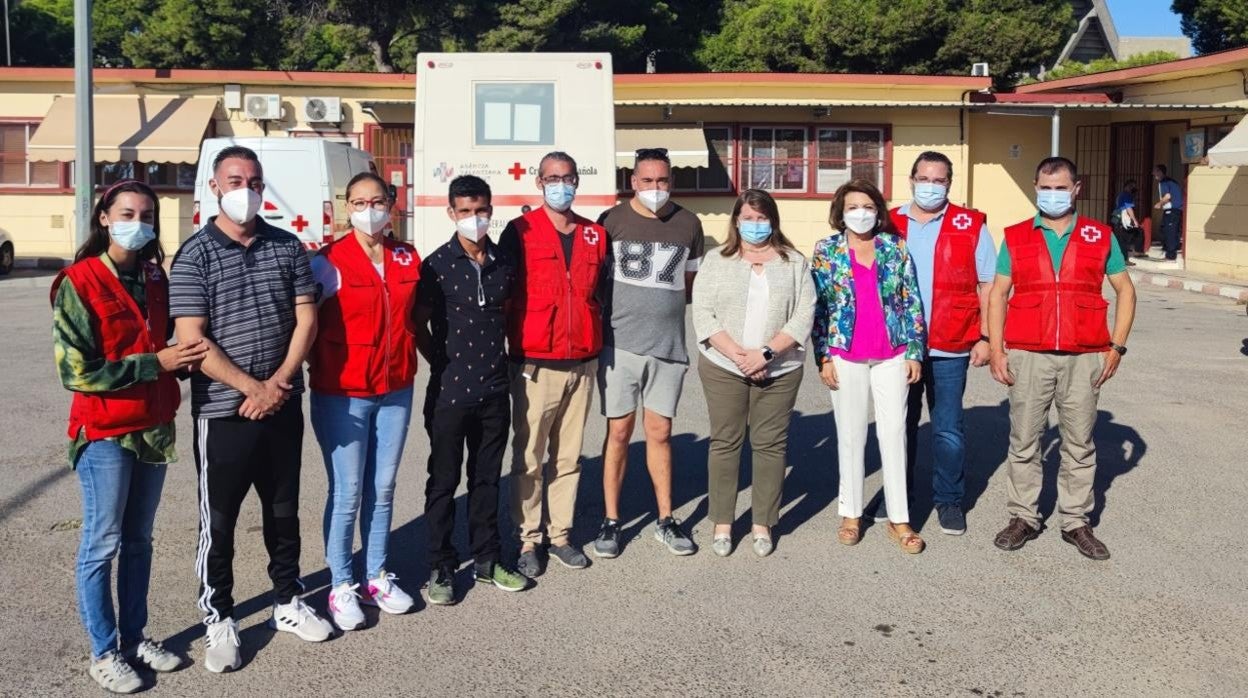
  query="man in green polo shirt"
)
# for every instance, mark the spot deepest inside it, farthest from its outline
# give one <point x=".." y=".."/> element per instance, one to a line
<point x="1046" y="308"/>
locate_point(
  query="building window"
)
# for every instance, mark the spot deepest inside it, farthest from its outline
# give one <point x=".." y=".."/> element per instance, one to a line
<point x="716" y="177"/>
<point x="16" y="170"/>
<point x="170" y="175"/>
<point x="774" y="158"/>
<point x="110" y="173"/>
<point x="848" y="153"/>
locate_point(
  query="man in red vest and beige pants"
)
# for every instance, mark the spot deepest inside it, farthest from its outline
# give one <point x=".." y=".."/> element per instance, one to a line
<point x="1060" y="350"/>
<point x="555" y="334"/>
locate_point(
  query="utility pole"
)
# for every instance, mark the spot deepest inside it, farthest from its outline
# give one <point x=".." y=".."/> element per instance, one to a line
<point x="84" y="135"/>
<point x="8" y="43"/>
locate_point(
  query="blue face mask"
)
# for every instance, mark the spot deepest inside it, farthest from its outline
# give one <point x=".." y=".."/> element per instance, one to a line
<point x="754" y="232"/>
<point x="131" y="235"/>
<point x="929" y="195"/>
<point x="1053" y="202"/>
<point x="559" y="195"/>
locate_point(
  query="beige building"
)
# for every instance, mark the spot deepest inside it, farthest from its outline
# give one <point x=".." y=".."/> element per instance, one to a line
<point x="799" y="136"/>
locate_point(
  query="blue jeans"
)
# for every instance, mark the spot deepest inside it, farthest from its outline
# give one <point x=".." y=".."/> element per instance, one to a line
<point x="119" y="500"/>
<point x="943" y="383"/>
<point x="362" y="441"/>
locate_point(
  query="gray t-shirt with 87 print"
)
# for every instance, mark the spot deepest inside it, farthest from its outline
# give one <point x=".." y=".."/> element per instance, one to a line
<point x="644" y="311"/>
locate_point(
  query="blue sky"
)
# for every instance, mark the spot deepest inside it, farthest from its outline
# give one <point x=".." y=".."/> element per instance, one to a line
<point x="1144" y="18"/>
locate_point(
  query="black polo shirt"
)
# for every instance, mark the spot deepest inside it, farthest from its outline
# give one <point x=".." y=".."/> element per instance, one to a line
<point x="468" y="322"/>
<point x="248" y="296"/>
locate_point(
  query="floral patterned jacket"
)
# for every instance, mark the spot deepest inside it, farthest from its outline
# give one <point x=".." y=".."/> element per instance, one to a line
<point x="834" y="300"/>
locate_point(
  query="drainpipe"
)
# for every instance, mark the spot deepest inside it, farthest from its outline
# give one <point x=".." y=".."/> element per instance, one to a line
<point x="1055" y="135"/>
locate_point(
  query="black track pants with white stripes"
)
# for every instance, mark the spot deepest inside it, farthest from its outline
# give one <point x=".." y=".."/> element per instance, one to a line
<point x="233" y="454"/>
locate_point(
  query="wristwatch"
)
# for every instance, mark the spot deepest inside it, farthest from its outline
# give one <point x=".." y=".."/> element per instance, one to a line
<point x="984" y="338"/>
<point x="768" y="354"/>
<point x="1122" y="351"/>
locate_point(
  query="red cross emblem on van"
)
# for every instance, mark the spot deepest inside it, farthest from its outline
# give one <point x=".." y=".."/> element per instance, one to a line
<point x="1090" y="233"/>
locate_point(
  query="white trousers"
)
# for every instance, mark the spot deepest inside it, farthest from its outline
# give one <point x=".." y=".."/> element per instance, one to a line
<point x="885" y="383"/>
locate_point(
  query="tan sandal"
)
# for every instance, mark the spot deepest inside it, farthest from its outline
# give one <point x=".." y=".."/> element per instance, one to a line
<point x="909" y="541"/>
<point x="849" y="534"/>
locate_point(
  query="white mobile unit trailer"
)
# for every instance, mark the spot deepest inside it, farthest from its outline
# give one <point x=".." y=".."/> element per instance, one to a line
<point x="494" y="115"/>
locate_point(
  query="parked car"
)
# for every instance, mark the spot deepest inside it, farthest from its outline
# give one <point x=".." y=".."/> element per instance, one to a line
<point x="7" y="253"/>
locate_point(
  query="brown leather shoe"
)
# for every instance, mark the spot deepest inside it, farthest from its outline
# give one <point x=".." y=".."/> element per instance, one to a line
<point x="1087" y="543"/>
<point x="1015" y="534"/>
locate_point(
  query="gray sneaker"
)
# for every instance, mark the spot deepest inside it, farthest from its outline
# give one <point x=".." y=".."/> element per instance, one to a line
<point x="442" y="586"/>
<point x="569" y="556"/>
<point x="529" y="564"/>
<point x="221" y="646"/>
<point x="608" y="542"/>
<point x="114" y="674"/>
<point x="669" y="532"/>
<point x="952" y="520"/>
<point x="153" y="655"/>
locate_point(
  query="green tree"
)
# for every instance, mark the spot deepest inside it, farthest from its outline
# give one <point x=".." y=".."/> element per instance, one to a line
<point x="42" y="31"/>
<point x="1101" y="65"/>
<point x="1213" y="25"/>
<point x="236" y="34"/>
<point x="1012" y="36"/>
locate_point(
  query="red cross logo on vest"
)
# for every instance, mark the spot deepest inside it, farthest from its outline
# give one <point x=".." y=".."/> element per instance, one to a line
<point x="590" y="235"/>
<point x="154" y="274"/>
<point x="961" y="221"/>
<point x="1090" y="233"/>
<point x="402" y="256"/>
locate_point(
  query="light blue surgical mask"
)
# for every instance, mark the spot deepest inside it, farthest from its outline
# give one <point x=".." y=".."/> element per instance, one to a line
<point x="131" y="235"/>
<point x="930" y="195"/>
<point x="754" y="232"/>
<point x="559" y="195"/>
<point x="1053" y="202"/>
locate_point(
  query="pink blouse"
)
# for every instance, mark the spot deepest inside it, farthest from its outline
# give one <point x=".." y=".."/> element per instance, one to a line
<point x="869" y="341"/>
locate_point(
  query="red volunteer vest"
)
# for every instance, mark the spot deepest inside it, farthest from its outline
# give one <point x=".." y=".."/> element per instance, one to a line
<point x="121" y="330"/>
<point x="1063" y="311"/>
<point x="365" y="342"/>
<point x="556" y="315"/>
<point x="955" y="283"/>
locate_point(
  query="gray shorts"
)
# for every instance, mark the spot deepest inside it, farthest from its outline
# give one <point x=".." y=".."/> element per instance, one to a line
<point x="626" y="379"/>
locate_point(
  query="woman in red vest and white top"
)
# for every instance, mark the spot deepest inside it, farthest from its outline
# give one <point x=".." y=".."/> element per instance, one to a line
<point x="362" y="368"/>
<point x="110" y="315"/>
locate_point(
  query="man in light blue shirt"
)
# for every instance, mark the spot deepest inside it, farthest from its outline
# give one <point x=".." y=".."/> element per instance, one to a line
<point x="963" y="329"/>
<point x="1170" y="203"/>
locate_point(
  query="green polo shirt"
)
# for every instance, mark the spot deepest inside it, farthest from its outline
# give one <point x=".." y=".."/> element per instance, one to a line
<point x="1115" y="264"/>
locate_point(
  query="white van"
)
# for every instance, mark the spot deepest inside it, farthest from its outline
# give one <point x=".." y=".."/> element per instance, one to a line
<point x="495" y="115"/>
<point x="305" y="184"/>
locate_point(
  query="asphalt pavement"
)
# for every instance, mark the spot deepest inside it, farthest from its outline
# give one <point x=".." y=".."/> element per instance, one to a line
<point x="1165" y="616"/>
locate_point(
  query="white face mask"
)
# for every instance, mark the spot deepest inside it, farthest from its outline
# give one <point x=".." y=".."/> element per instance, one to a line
<point x="860" y="220"/>
<point x="370" y="221"/>
<point x="473" y="228"/>
<point x="240" y="205"/>
<point x="653" y="199"/>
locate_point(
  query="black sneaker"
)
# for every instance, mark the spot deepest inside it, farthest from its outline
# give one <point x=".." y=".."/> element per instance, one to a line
<point x="952" y="520"/>
<point x="530" y="564"/>
<point x="569" y="556"/>
<point x="669" y="532"/>
<point x="608" y="542"/>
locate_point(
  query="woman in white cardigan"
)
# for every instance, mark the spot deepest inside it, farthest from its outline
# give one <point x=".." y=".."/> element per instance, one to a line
<point x="753" y="307"/>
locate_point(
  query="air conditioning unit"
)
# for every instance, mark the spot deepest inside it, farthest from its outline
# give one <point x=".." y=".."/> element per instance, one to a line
<point x="263" y="107"/>
<point x="322" y="109"/>
<point x="979" y="70"/>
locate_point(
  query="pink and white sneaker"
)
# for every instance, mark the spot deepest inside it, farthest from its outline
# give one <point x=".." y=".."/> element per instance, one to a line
<point x="344" y="607"/>
<point x="383" y="593"/>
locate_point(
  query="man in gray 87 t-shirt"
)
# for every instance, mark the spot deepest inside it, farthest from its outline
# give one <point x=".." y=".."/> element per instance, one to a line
<point x="655" y="249"/>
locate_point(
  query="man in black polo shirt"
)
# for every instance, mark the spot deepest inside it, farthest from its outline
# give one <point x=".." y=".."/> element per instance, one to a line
<point x="461" y="330"/>
<point x="246" y="287"/>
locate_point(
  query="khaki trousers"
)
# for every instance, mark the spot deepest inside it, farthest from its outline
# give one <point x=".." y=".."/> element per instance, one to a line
<point x="1040" y="381"/>
<point x="550" y="404"/>
<point x="733" y="404"/>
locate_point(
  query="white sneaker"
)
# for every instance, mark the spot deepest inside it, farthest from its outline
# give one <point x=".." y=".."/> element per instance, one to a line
<point x="344" y="606"/>
<point x="383" y="593"/>
<point x="221" y="646"/>
<point x="114" y="674"/>
<point x="156" y="657"/>
<point x="297" y="617"/>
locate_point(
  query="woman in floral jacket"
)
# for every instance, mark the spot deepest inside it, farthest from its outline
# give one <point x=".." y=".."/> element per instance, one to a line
<point x="869" y="342"/>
